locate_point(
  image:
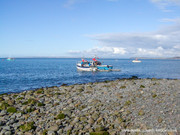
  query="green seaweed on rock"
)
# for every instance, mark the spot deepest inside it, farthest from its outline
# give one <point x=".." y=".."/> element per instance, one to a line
<point x="11" y="110"/>
<point x="142" y="86"/>
<point x="123" y="87"/>
<point x="60" y="116"/>
<point x="27" y="126"/>
<point x="1" y="99"/>
<point x="45" y="132"/>
<point x="40" y="104"/>
<point x="127" y="103"/>
<point x="154" y="95"/>
<point x="19" y="98"/>
<point x="40" y="91"/>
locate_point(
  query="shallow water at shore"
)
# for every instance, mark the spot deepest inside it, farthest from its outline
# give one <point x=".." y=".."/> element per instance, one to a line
<point x="26" y="74"/>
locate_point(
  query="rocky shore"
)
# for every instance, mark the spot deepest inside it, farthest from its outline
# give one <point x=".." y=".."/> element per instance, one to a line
<point x="127" y="106"/>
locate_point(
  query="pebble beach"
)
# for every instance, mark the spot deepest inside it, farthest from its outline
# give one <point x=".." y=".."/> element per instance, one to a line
<point x="123" y="106"/>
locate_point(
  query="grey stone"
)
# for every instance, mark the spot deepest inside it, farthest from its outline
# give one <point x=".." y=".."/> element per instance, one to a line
<point x="54" y="127"/>
<point x="18" y="115"/>
<point x="7" y="128"/>
<point x="3" y="132"/>
<point x="8" y="133"/>
<point x="3" y="112"/>
<point x="51" y="133"/>
<point x="67" y="112"/>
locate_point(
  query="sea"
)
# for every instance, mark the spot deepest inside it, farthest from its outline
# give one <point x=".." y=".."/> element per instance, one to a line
<point x="31" y="73"/>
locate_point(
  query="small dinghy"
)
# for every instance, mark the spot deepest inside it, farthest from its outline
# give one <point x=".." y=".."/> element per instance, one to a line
<point x="105" y="67"/>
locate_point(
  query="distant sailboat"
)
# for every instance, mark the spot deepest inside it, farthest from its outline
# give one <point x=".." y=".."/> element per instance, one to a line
<point x="136" y="61"/>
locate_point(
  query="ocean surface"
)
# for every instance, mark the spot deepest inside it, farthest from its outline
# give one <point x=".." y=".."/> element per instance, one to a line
<point x="28" y="74"/>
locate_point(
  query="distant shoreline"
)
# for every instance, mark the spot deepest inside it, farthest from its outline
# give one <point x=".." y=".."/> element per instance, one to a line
<point x="88" y="58"/>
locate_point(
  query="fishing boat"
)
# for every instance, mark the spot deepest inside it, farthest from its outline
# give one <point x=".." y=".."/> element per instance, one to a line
<point x="136" y="61"/>
<point x="94" y="65"/>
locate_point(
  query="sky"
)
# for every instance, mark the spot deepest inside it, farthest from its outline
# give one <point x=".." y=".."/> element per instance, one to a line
<point x="87" y="28"/>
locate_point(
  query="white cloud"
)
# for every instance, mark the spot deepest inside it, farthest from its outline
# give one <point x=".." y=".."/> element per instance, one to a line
<point x="117" y="50"/>
<point x="165" y="4"/>
<point x="170" y="20"/>
<point x="100" y="51"/>
<point x="162" y="43"/>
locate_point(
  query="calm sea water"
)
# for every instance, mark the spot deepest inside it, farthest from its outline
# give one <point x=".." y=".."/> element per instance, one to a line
<point x="27" y="74"/>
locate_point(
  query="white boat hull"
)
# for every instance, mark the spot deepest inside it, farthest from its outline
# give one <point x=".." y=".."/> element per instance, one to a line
<point x="136" y="61"/>
<point x="86" y="68"/>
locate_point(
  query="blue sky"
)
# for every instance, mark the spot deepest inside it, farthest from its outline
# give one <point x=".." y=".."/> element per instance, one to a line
<point x="84" y="28"/>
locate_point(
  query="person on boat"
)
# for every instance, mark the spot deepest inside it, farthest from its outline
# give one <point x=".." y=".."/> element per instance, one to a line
<point x="82" y="63"/>
<point x="96" y="62"/>
<point x="94" y="59"/>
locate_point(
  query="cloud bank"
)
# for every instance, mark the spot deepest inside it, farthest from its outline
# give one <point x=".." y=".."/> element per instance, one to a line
<point x="164" y="42"/>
